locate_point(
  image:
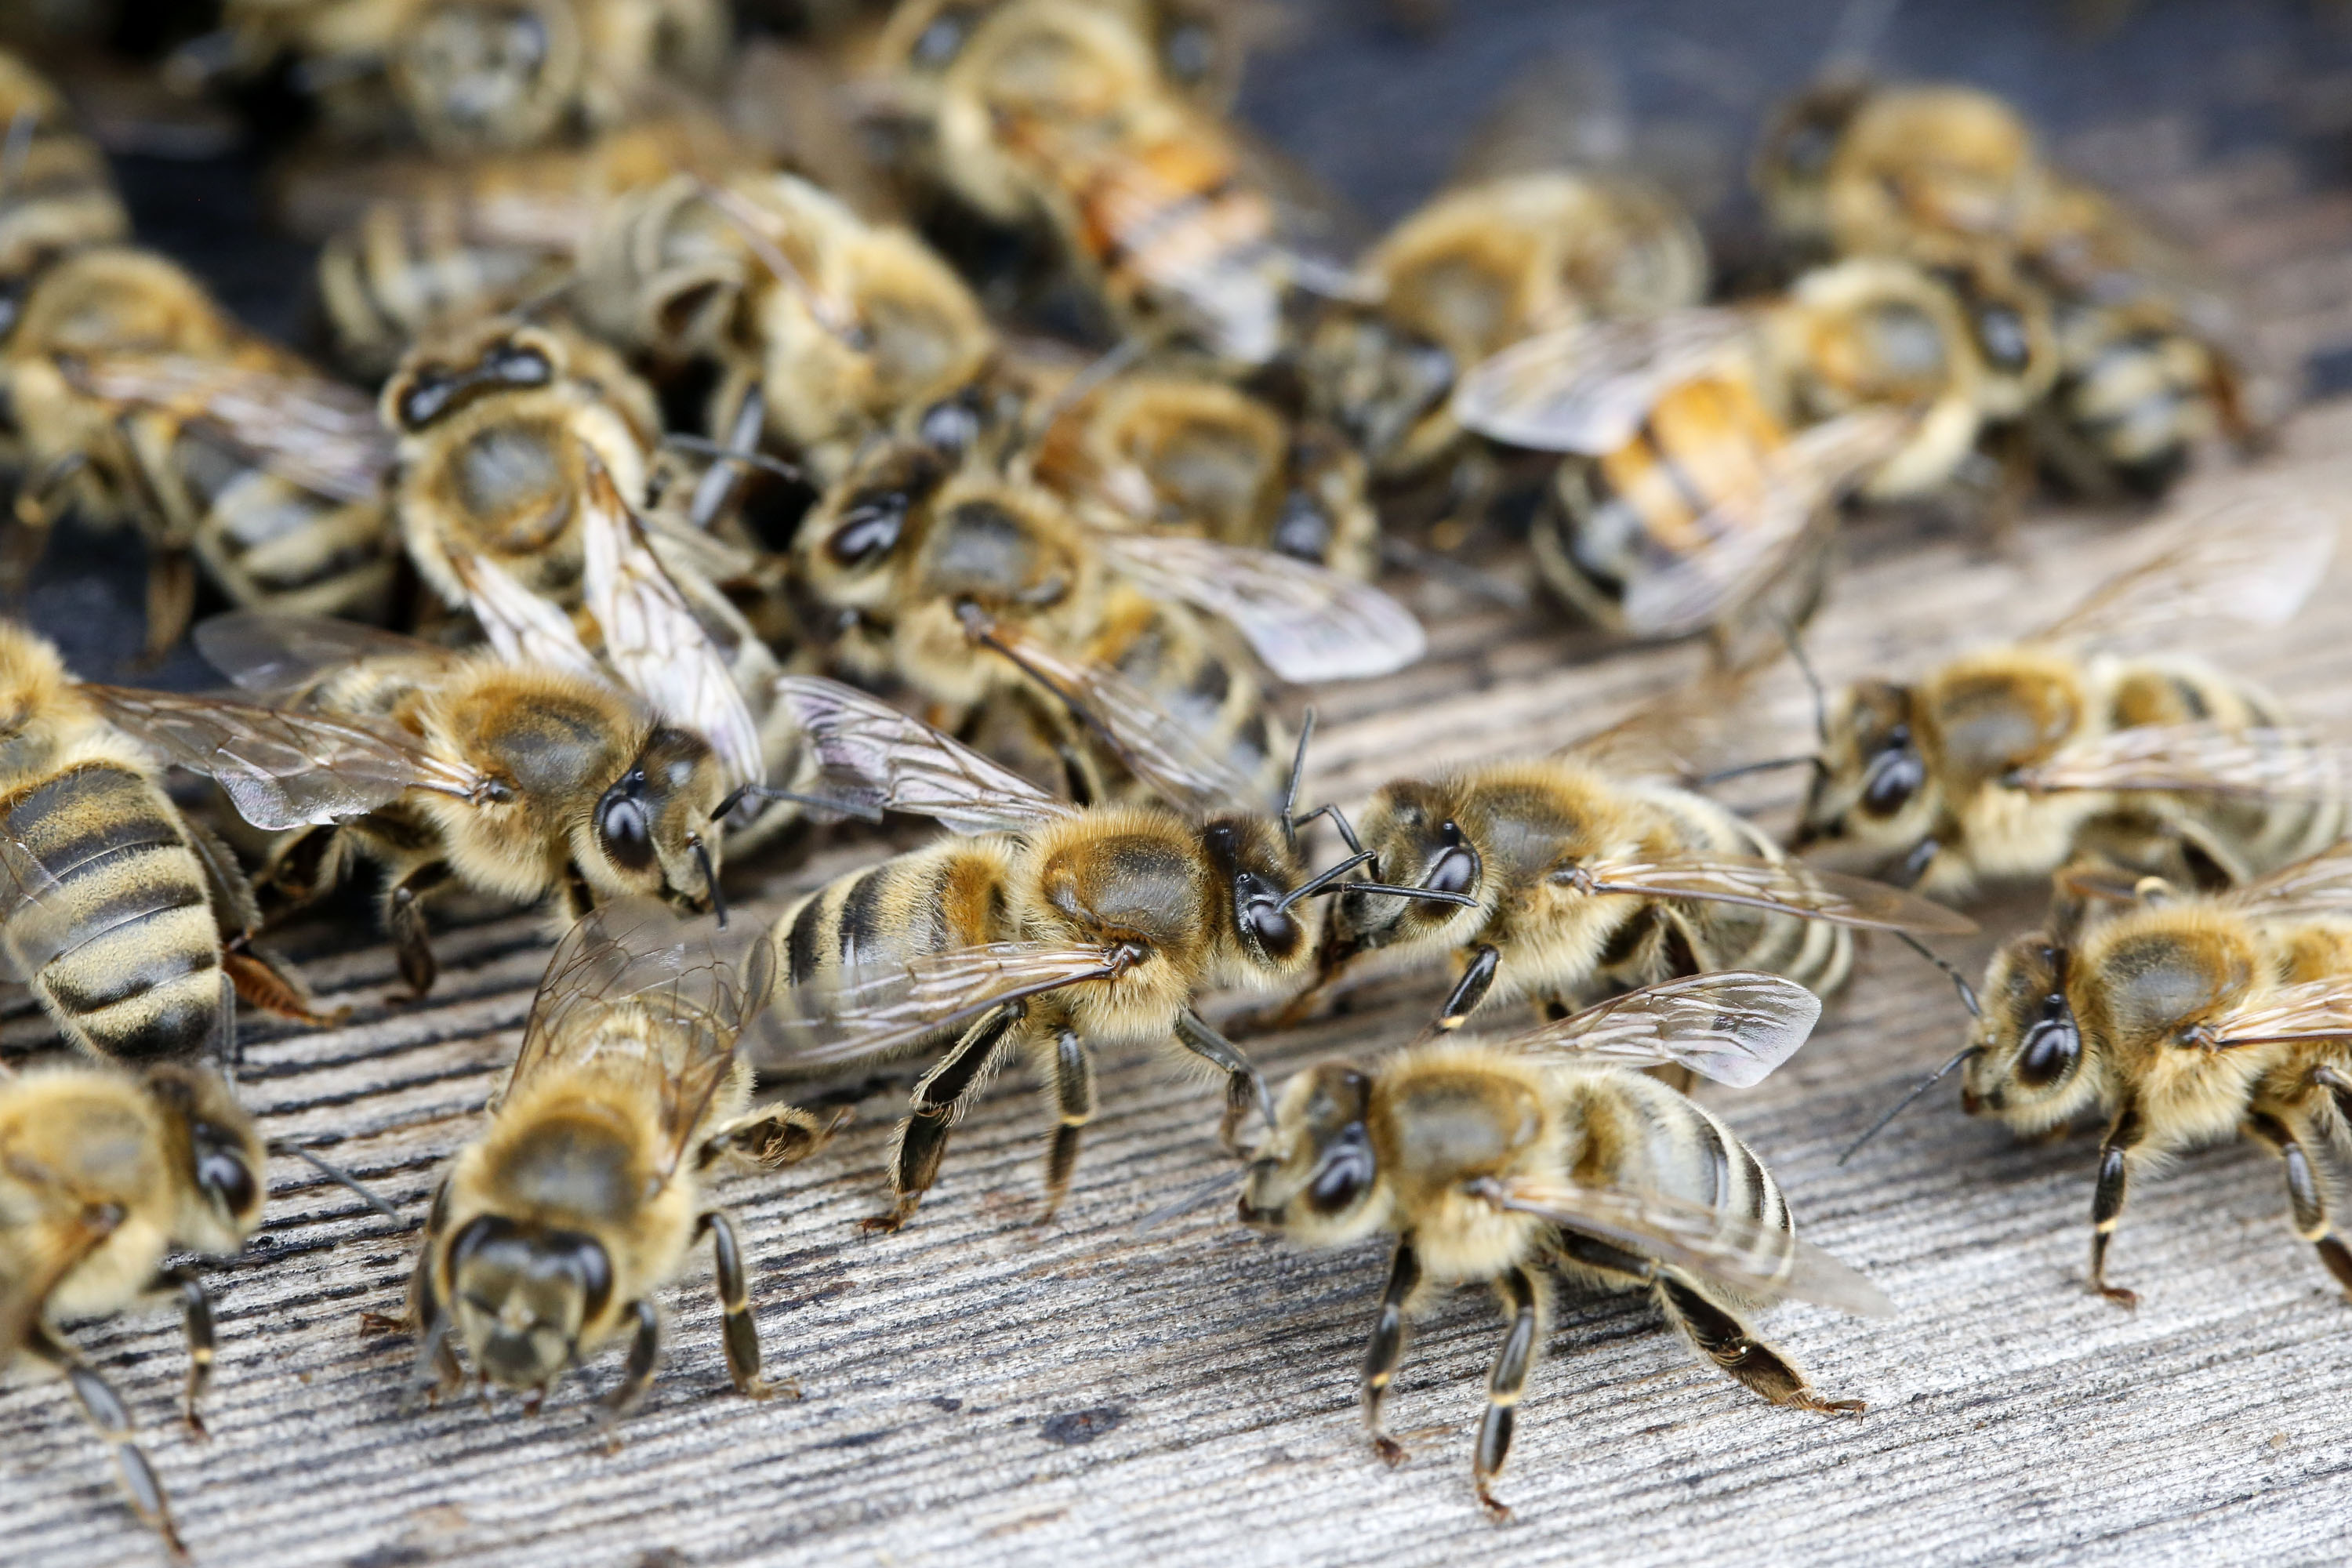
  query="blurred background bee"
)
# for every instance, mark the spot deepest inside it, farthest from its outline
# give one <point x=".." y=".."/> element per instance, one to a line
<point x="59" y="196"/>
<point x="555" y="1228"/>
<point x="1488" y="1161"/>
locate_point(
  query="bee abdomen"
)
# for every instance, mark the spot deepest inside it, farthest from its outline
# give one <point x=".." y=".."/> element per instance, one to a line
<point x="135" y="973"/>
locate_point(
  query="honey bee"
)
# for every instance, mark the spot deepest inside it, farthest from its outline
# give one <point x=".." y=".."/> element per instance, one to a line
<point x="553" y="1229"/>
<point x="1583" y="879"/>
<point x="1193" y="454"/>
<point x="57" y="196"/>
<point x="2007" y="762"/>
<point x="2186" y="1018"/>
<point x="104" y="1174"/>
<point x="135" y="399"/>
<point x="1488" y="1161"/>
<point x="471" y="76"/>
<point x="1043" y="929"/>
<point x="1475" y="270"/>
<point x="1058" y="113"/>
<point x="515" y="780"/>
<point x="130" y="924"/>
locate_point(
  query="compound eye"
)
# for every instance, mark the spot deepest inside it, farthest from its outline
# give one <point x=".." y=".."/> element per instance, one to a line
<point x="2001" y="337"/>
<point x="1456" y="871"/>
<point x="221" y="1170"/>
<point x="869" y="529"/>
<point x="942" y="40"/>
<point x="1894" y="777"/>
<point x="1343" y="1173"/>
<point x="624" y="829"/>
<point x="518" y="366"/>
<point x="1271" y="929"/>
<point x="951" y="425"/>
<point x="2052" y="1046"/>
<point x="427" y="397"/>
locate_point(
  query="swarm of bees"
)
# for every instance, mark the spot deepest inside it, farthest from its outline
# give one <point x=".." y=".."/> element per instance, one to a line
<point x="663" y="490"/>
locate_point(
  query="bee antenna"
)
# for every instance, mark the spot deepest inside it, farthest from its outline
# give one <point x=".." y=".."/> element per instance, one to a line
<point x="1427" y="895"/>
<point x="863" y="810"/>
<point x="1184" y="1203"/>
<point x="1298" y="774"/>
<point x="1323" y="881"/>
<point x="722" y="452"/>
<point x="1812" y="681"/>
<point x="1807" y="759"/>
<point x="19" y="145"/>
<point x="1961" y="982"/>
<point x="710" y="880"/>
<point x="1098" y="370"/>
<point x="1338" y="820"/>
<point x="336" y="1174"/>
<point x="1922" y="1087"/>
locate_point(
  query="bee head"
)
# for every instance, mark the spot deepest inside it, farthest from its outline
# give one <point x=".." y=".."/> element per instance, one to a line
<point x="1874" y="787"/>
<point x="1259" y="875"/>
<point x="476" y="76"/>
<point x="220" y="1153"/>
<point x="520" y="1294"/>
<point x="1374" y="379"/>
<point x="650" y="826"/>
<point x="1949" y="159"/>
<point x="1319" y="1176"/>
<point x="2028" y="1069"/>
<point x="1417" y="839"/>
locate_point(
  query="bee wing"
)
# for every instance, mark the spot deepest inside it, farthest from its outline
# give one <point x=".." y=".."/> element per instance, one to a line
<point x="2203" y="759"/>
<point x="35" y="928"/>
<point x="1786" y="886"/>
<point x="1734" y="1027"/>
<point x="2316" y="1010"/>
<point x="870" y="751"/>
<point x="1154" y="744"/>
<point x="2307" y="890"/>
<point x="1306" y="622"/>
<point x="875" y="1009"/>
<point x="280" y="767"/>
<point x="1587" y="388"/>
<point x="652" y="638"/>
<point x="522" y="626"/>
<point x="1750" y="537"/>
<point x="278" y="655"/>
<point x="678" y="985"/>
<point x="2254" y="559"/>
<point x="1713" y="1243"/>
<point x="319" y="433"/>
<point x="1674" y="734"/>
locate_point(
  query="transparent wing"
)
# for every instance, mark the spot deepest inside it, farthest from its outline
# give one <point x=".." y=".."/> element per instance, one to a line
<point x="652" y="640"/>
<point x="319" y="433"/>
<point x="870" y="751"/>
<point x="34" y="925"/>
<point x="1675" y="735"/>
<point x="1785" y="885"/>
<point x="2254" y="559"/>
<point x="2309" y="889"/>
<point x="523" y="627"/>
<point x="1153" y="743"/>
<point x="634" y="977"/>
<point x="1729" y="1248"/>
<point x="2317" y="1010"/>
<point x="874" y="1010"/>
<point x="1588" y="388"/>
<point x="1306" y="622"/>
<point x="2202" y="759"/>
<point x="284" y="769"/>
<point x="276" y="655"/>
<point x="1734" y="1027"/>
<point x="1750" y="538"/>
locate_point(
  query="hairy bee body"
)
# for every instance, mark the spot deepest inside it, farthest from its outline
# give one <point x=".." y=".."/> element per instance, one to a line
<point x="130" y="943"/>
<point x="1512" y="835"/>
<point x="1415" y="1145"/>
<point x="2139" y="391"/>
<point x="1204" y="681"/>
<point x="61" y="197"/>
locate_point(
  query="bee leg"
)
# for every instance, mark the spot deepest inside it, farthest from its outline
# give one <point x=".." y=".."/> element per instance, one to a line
<point x="1386" y="1347"/>
<point x="436" y="1370"/>
<point x="300" y="869"/>
<point x="1245" y="1089"/>
<point x="1724" y="1339"/>
<point x="742" y="1335"/>
<point x="2307" y="1197"/>
<point x="1503" y="1386"/>
<point x="404" y="917"/>
<point x="262" y="983"/>
<point x="1073" y="1107"/>
<point x="110" y="1418"/>
<point x="2107" y="1200"/>
<point x="940" y="1097"/>
<point x="1471" y="989"/>
<point x="170" y="602"/>
<point x="645" y="1355"/>
<point x="29" y="522"/>
<point x="778" y="1136"/>
<point x="196" y="1319"/>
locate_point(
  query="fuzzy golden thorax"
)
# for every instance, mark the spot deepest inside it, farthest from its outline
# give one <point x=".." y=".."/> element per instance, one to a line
<point x="1920" y="167"/>
<point x="40" y="712"/>
<point x="1012" y="551"/>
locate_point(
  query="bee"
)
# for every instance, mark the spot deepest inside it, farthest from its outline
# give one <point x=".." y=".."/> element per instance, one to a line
<point x="1475" y="270"/>
<point x="1193" y="454"/>
<point x="555" y="1228"/>
<point x="515" y="780"/>
<point x="57" y="196"/>
<point x="1041" y="929"/>
<point x="464" y="77"/>
<point x="135" y="399"/>
<point x="2185" y="1018"/>
<point x="2007" y="762"/>
<point x="1585" y="878"/>
<point x="1058" y="113"/>
<point x="1488" y="1161"/>
<point x="104" y="1175"/>
<point x="130" y="924"/>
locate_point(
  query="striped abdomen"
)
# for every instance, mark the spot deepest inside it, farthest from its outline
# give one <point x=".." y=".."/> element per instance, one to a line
<point x="1175" y="659"/>
<point x="2139" y="395"/>
<point x="272" y="544"/>
<point x="408" y="269"/>
<point x="1698" y="937"/>
<point x="1702" y="459"/>
<point x="132" y="967"/>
